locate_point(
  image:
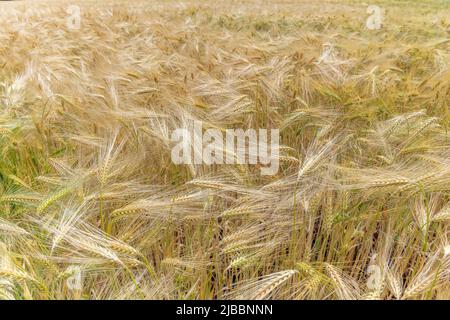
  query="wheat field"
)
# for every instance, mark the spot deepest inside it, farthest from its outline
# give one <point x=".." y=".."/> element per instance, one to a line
<point x="92" y="207"/>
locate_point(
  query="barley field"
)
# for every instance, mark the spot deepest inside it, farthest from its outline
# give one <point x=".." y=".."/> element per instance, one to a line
<point x="93" y="207"/>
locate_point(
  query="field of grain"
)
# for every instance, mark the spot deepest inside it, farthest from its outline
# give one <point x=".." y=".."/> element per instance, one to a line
<point x="93" y="207"/>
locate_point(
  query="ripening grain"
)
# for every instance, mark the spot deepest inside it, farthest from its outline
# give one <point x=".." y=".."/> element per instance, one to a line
<point x="360" y="206"/>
